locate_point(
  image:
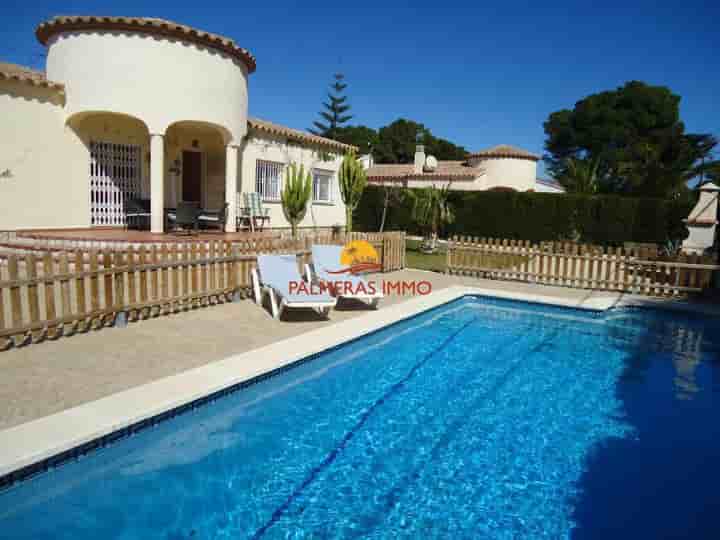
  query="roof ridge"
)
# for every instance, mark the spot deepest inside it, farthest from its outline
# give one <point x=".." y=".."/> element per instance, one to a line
<point x="148" y="25"/>
<point x="269" y="126"/>
<point x="25" y="74"/>
<point x="505" y="151"/>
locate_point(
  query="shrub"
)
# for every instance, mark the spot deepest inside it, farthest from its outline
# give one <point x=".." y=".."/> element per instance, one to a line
<point x="598" y="219"/>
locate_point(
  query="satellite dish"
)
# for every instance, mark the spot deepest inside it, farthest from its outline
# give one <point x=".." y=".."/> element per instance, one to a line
<point x="431" y="163"/>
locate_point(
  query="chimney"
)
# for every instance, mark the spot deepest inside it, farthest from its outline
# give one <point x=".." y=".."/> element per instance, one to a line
<point x="419" y="158"/>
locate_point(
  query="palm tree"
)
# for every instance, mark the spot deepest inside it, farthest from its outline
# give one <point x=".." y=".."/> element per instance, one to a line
<point x="581" y="176"/>
<point x="296" y="195"/>
<point x="431" y="211"/>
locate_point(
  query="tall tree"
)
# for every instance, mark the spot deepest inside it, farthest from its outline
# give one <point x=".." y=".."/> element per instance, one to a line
<point x="335" y="111"/>
<point x="397" y="141"/>
<point x="363" y="137"/>
<point x="636" y="133"/>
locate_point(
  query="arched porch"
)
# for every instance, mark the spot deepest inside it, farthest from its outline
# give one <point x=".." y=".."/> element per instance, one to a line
<point x="189" y="161"/>
<point x="196" y="162"/>
<point x="117" y="147"/>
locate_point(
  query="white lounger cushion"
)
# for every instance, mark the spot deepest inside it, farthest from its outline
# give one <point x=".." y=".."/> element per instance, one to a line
<point x="278" y="271"/>
<point x="326" y="258"/>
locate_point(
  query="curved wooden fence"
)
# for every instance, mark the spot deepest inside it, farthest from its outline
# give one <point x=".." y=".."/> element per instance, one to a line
<point x="48" y="294"/>
<point x="637" y="270"/>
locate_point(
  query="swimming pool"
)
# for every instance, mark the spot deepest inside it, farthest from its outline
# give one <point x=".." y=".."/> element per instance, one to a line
<point x="479" y="419"/>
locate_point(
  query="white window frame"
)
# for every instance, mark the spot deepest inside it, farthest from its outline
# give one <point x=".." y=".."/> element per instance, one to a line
<point x="269" y="179"/>
<point x="330" y="176"/>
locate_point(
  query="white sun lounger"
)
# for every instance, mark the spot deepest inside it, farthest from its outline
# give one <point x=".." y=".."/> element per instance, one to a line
<point x="274" y="274"/>
<point x="326" y="259"/>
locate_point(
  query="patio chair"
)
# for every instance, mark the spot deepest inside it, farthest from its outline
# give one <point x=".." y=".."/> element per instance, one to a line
<point x="214" y="218"/>
<point x="274" y="274"/>
<point x="326" y="258"/>
<point x="137" y="212"/>
<point x="253" y="211"/>
<point x="185" y="217"/>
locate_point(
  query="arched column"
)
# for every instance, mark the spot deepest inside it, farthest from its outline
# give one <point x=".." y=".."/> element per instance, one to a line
<point x="157" y="183"/>
<point x="231" y="170"/>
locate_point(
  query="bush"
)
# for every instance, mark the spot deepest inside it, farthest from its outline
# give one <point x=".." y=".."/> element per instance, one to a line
<point x="597" y="219"/>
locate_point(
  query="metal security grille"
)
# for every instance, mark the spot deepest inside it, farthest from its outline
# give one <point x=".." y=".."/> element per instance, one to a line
<point x="268" y="175"/>
<point x="115" y="176"/>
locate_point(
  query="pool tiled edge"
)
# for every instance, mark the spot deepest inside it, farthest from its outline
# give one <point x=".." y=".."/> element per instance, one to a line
<point x="39" y="444"/>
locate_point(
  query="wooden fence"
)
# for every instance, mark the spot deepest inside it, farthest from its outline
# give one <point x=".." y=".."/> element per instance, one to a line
<point x="638" y="270"/>
<point x="48" y="294"/>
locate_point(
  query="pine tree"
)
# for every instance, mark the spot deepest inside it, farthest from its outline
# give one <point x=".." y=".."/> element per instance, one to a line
<point x="335" y="109"/>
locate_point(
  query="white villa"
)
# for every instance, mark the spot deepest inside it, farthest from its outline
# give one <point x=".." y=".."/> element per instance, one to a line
<point x="500" y="168"/>
<point x="146" y="109"/>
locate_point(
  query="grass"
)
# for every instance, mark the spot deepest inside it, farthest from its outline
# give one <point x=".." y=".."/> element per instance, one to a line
<point x="414" y="258"/>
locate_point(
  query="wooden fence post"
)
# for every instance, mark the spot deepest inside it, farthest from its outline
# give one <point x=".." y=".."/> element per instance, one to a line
<point x="142" y="261"/>
<point x="121" y="316"/>
<point x="80" y="297"/>
<point x="69" y="325"/>
<point x="95" y="290"/>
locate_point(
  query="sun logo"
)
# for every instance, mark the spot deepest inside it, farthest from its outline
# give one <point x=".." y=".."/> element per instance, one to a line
<point x="358" y="252"/>
<point x="357" y="257"/>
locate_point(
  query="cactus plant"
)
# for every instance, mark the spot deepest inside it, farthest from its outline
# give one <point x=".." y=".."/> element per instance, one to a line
<point x="352" y="179"/>
<point x="296" y="195"/>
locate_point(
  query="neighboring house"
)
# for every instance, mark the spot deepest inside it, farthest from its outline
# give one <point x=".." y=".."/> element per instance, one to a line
<point x="548" y="186"/>
<point x="500" y="168"/>
<point x="146" y="108"/>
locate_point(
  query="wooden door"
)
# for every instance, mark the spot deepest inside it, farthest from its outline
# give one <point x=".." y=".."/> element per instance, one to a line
<point x="192" y="177"/>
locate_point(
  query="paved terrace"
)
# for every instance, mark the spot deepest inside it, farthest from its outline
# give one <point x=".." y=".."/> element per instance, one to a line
<point x="49" y="377"/>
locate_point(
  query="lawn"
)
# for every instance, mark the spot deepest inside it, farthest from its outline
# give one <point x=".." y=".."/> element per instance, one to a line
<point x="414" y="258"/>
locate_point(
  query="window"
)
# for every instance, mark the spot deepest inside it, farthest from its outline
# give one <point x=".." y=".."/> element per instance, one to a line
<point x="268" y="179"/>
<point x="322" y="186"/>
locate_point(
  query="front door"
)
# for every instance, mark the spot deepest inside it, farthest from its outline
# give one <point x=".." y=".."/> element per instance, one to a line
<point x="192" y="177"/>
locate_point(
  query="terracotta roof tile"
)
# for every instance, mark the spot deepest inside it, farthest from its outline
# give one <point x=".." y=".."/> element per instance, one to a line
<point x="26" y="75"/>
<point x="159" y="27"/>
<point x="297" y="135"/>
<point x="505" y="151"/>
<point x="455" y="170"/>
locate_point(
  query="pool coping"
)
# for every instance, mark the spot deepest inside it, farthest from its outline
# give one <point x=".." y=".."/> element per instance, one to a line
<point x="39" y="444"/>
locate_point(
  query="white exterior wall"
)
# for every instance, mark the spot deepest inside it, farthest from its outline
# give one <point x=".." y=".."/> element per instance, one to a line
<point x="702" y="221"/>
<point x="151" y="78"/>
<point x="455" y="185"/>
<point x="47" y="178"/>
<point x="700" y="238"/>
<point x="518" y="174"/>
<point x="260" y="146"/>
<point x="541" y="187"/>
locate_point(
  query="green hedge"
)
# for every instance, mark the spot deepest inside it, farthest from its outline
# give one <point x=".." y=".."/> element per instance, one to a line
<point x="599" y="219"/>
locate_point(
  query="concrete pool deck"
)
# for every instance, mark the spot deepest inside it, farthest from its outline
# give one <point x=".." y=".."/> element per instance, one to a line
<point x="58" y="395"/>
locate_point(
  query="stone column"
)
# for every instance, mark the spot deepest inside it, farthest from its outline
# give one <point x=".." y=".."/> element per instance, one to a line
<point x="157" y="183"/>
<point x="231" y="167"/>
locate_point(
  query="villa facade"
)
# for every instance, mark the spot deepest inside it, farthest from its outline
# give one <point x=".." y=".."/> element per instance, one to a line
<point x="500" y="168"/>
<point x="148" y="109"/>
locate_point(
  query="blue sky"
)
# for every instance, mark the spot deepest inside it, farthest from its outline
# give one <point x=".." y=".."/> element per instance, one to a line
<point x="474" y="74"/>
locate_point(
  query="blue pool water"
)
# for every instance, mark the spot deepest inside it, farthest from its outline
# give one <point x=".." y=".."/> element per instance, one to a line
<point x="479" y="419"/>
